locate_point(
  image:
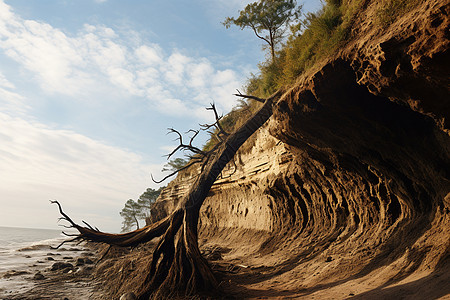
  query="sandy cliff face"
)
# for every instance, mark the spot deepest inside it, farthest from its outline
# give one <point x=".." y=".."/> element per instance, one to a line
<point x="346" y="191"/>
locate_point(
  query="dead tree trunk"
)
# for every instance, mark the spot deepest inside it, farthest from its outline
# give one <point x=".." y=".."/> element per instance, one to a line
<point x="177" y="265"/>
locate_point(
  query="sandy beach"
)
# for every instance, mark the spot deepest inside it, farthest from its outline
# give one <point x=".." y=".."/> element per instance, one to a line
<point x="64" y="273"/>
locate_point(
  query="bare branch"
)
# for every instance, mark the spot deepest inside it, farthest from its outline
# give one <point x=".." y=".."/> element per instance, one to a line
<point x="68" y="227"/>
<point x="64" y="216"/>
<point x="66" y="241"/>
<point x="217" y="123"/>
<point x="203" y="156"/>
<point x="66" y="234"/>
<point x="252" y="26"/>
<point x="249" y="97"/>
<point x="175" y="172"/>
<point x="90" y="227"/>
<point x="183" y="146"/>
<point x="196" y="132"/>
<point x="206" y="127"/>
<point x="180" y="137"/>
<point x="213" y="108"/>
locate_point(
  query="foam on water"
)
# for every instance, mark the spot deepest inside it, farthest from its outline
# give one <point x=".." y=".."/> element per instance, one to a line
<point x="27" y="250"/>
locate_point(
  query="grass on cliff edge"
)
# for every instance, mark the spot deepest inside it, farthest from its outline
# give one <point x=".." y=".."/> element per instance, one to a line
<point x="314" y="37"/>
<point x="390" y="10"/>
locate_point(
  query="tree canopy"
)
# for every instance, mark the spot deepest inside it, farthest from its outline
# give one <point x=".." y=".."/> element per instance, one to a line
<point x="175" y="164"/>
<point x="130" y="214"/>
<point x="146" y="200"/>
<point x="134" y="211"/>
<point x="270" y="16"/>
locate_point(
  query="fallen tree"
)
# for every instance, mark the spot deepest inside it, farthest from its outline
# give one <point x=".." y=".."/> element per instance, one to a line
<point x="177" y="265"/>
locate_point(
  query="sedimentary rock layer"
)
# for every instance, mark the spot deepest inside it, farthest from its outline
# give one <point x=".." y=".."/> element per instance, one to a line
<point x="349" y="182"/>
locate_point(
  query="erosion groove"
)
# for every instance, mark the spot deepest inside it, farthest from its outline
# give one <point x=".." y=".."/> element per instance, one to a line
<point x="346" y="191"/>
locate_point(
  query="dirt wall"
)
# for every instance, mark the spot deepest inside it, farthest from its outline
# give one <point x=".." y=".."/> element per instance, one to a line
<point x="346" y="190"/>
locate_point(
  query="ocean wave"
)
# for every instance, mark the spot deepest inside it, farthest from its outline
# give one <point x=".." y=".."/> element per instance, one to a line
<point x="50" y="241"/>
<point x="40" y="245"/>
<point x="34" y="247"/>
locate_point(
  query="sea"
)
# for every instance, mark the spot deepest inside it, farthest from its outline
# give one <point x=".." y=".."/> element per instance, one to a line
<point x="23" y="252"/>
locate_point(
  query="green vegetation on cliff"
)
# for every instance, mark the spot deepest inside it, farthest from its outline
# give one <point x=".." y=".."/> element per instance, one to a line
<point x="312" y="38"/>
<point x="138" y="210"/>
<point x="391" y="9"/>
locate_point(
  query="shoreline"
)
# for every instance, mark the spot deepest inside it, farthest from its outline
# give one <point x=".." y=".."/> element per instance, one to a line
<point x="65" y="273"/>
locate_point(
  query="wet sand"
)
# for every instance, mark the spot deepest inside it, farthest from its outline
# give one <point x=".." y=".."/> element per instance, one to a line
<point x="59" y="274"/>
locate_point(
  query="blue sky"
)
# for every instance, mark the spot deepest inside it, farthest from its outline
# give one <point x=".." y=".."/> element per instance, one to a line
<point x="88" y="89"/>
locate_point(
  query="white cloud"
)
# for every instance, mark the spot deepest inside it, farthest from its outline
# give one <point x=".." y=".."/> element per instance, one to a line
<point x="200" y="73"/>
<point x="5" y="82"/>
<point x="95" y="65"/>
<point x="223" y="77"/>
<point x="175" y="68"/>
<point x="5" y="14"/>
<point x="45" y="51"/>
<point x="98" y="59"/>
<point x="173" y="106"/>
<point x="39" y="163"/>
<point x="125" y="79"/>
<point x="147" y="77"/>
<point x="150" y="55"/>
<point x="10" y="101"/>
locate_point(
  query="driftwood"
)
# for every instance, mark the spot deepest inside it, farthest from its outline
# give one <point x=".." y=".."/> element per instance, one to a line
<point x="177" y="265"/>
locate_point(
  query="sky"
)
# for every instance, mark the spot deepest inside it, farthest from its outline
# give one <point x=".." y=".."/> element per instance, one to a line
<point x="88" y="89"/>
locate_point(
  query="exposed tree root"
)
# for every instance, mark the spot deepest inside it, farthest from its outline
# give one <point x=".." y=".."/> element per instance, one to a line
<point x="128" y="239"/>
<point x="177" y="266"/>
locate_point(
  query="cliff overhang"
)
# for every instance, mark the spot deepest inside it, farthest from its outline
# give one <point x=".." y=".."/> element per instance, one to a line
<point x="346" y="190"/>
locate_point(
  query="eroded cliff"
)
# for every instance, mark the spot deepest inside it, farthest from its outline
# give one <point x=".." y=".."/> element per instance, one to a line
<point x="346" y="191"/>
